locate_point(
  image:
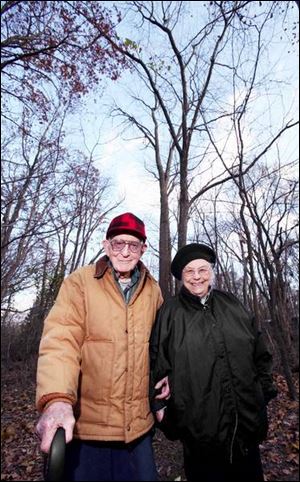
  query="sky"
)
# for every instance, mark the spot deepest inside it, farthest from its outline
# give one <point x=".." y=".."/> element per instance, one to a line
<point x="120" y="157"/>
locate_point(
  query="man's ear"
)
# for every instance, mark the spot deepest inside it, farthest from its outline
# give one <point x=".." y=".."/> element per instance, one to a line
<point x="106" y="247"/>
<point x="144" y="248"/>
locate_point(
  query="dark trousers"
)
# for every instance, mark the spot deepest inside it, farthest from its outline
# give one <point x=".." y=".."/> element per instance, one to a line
<point x="217" y="468"/>
<point x="100" y="461"/>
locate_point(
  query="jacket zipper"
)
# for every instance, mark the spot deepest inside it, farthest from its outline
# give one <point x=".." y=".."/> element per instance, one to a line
<point x="233" y="436"/>
<point x="234" y="396"/>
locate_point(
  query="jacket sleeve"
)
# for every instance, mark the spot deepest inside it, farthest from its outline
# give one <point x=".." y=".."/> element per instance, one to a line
<point x="60" y="347"/>
<point x="160" y="364"/>
<point x="263" y="363"/>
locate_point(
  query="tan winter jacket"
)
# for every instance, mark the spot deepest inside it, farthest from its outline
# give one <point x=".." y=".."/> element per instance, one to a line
<point x="94" y="353"/>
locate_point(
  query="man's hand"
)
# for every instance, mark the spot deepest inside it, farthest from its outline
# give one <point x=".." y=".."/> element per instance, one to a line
<point x="163" y="384"/>
<point x="58" y="414"/>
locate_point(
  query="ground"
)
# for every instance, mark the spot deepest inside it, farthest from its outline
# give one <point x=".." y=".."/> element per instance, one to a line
<point x="21" y="458"/>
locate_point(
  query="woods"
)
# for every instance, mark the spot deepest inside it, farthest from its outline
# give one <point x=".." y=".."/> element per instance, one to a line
<point x="211" y="142"/>
<point x="208" y="90"/>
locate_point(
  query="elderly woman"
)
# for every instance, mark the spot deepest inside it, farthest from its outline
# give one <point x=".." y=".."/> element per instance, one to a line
<point x="219" y="373"/>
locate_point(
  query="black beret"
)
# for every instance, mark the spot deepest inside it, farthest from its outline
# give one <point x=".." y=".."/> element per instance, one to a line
<point x="188" y="253"/>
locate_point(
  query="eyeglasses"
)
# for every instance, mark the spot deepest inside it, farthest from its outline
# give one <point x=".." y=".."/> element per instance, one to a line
<point x="191" y="273"/>
<point x="118" y="245"/>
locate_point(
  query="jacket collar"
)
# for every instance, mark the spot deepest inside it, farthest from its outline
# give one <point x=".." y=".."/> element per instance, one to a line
<point x="103" y="264"/>
<point x="185" y="294"/>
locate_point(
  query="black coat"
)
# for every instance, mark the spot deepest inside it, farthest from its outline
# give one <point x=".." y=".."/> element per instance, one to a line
<point x="219" y="371"/>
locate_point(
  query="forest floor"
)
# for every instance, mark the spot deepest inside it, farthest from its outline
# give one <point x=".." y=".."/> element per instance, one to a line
<point x="21" y="458"/>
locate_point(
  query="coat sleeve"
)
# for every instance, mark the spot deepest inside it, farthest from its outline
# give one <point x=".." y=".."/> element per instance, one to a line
<point x="60" y="347"/>
<point x="263" y="363"/>
<point x="160" y="363"/>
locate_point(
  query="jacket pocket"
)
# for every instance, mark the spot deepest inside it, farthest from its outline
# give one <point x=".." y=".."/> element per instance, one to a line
<point x="96" y="372"/>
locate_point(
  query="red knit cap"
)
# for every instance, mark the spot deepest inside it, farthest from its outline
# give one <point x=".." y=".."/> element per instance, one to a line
<point x="127" y="223"/>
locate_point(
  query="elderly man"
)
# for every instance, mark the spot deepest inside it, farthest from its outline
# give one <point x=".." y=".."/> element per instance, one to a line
<point x="93" y="367"/>
<point x="219" y="372"/>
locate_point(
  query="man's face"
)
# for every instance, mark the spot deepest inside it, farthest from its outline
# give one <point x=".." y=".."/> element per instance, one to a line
<point x="124" y="257"/>
<point x="197" y="277"/>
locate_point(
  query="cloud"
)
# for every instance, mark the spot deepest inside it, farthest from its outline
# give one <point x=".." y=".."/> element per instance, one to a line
<point x="134" y="184"/>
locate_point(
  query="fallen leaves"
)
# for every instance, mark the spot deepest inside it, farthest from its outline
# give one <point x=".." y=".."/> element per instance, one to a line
<point x="22" y="459"/>
<point x="8" y="432"/>
<point x="280" y="452"/>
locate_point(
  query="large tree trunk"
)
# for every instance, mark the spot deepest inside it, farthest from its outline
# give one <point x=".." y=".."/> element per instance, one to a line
<point x="165" y="279"/>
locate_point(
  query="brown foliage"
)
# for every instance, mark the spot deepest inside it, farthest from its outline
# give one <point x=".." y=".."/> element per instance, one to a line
<point x="59" y="44"/>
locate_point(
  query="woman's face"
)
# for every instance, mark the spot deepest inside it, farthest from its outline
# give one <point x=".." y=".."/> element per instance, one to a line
<point x="197" y="277"/>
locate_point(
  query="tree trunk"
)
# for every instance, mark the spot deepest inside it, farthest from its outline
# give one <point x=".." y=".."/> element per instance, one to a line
<point x="164" y="244"/>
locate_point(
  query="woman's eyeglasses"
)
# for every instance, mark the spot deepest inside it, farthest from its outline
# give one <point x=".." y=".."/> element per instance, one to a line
<point x="191" y="273"/>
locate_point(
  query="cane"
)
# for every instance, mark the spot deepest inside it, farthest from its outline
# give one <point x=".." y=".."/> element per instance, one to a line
<point x="55" y="461"/>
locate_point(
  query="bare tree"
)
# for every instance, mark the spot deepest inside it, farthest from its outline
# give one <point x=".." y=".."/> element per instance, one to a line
<point x="46" y="194"/>
<point x="29" y="180"/>
<point x="191" y="78"/>
<point x="71" y="228"/>
<point x="78" y="218"/>
<point x="163" y="173"/>
<point x="275" y="228"/>
<point x="258" y="234"/>
<point x="51" y="56"/>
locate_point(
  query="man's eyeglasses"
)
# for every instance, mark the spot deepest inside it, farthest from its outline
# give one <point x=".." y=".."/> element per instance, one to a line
<point x="191" y="273"/>
<point x="118" y="245"/>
